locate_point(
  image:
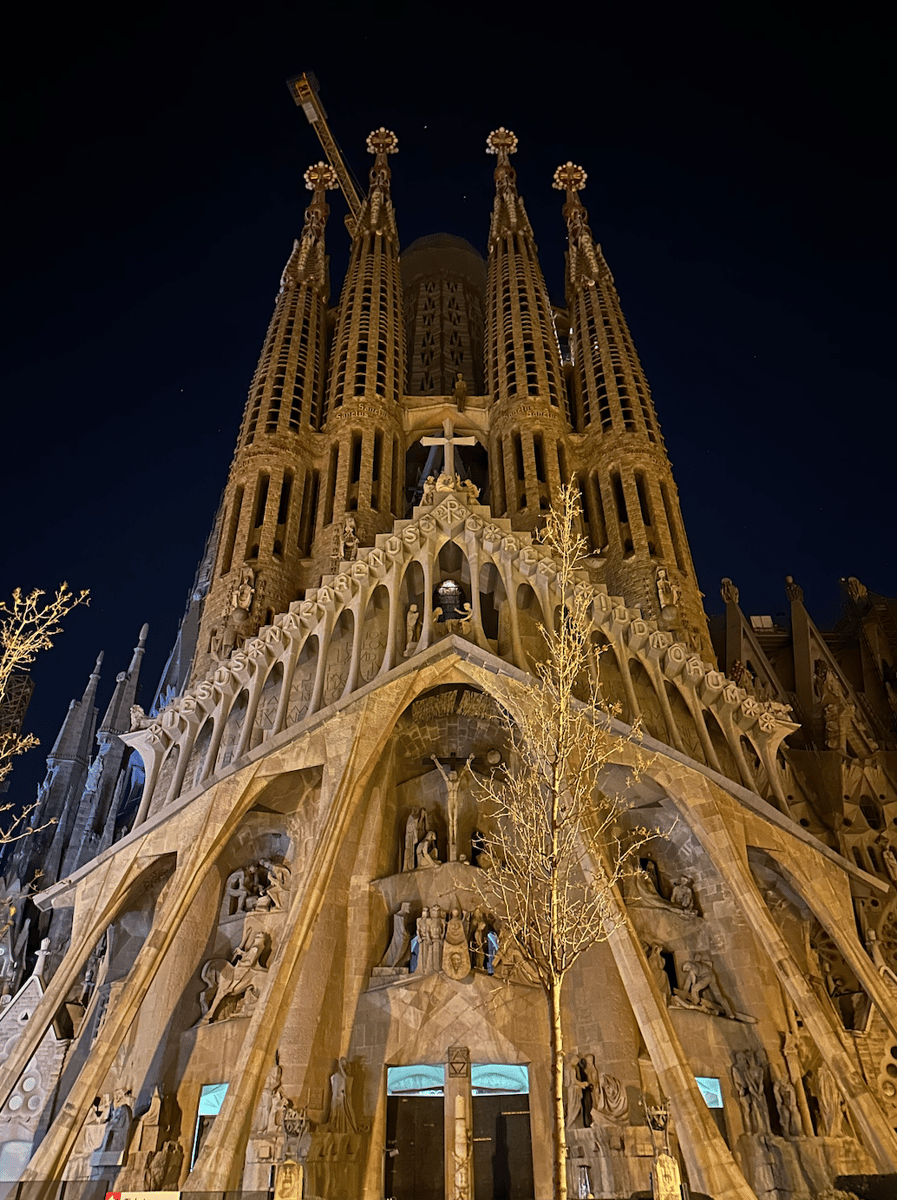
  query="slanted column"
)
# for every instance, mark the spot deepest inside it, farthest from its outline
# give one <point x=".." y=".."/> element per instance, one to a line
<point x="707" y="820"/>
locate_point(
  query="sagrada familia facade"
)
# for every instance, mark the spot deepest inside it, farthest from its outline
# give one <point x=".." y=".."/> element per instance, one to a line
<point x="260" y="957"/>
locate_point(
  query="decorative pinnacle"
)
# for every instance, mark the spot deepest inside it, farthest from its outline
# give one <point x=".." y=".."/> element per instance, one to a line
<point x="569" y="178"/>
<point x="382" y="141"/>
<point x="502" y="142"/>
<point x="320" y="175"/>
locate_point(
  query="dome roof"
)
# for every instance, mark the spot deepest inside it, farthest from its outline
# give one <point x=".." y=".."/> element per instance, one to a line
<point x="439" y="253"/>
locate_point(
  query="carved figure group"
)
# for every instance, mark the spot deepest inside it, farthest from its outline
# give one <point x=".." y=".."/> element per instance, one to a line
<point x="454" y="942"/>
<point x="430" y="936"/>
<point x="747" y="1077"/>
<point x="234" y="984"/>
<point x="262" y="886"/>
<point x="700" y="989"/>
<point x="592" y="1096"/>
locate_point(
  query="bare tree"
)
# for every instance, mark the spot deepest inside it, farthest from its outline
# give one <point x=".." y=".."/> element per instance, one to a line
<point x="28" y="624"/>
<point x="556" y="849"/>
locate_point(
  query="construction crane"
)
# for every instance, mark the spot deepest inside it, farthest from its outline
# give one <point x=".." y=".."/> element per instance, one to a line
<point x="304" y="90"/>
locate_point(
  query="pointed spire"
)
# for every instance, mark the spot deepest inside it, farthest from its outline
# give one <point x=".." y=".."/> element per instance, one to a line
<point x="586" y="264"/>
<point x="76" y="733"/>
<point x="508" y="214"/>
<point x="307" y="263"/>
<point x="377" y="214"/>
<point x="117" y="718"/>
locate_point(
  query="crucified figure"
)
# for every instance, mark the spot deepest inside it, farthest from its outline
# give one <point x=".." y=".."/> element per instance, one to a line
<point x="453" y="785"/>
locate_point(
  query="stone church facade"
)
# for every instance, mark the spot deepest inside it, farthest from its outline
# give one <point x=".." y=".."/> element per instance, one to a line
<point x="266" y="961"/>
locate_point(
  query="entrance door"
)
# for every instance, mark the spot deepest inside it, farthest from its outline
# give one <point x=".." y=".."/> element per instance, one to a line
<point x="415" y="1129"/>
<point x="502" y="1148"/>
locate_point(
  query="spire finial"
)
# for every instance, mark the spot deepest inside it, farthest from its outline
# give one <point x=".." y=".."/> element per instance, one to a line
<point x="320" y="177"/>
<point x="502" y="142"/>
<point x="382" y="142"/>
<point x="569" y="178"/>
<point x="585" y="265"/>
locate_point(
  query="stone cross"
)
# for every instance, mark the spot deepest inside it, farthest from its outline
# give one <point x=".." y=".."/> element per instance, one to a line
<point x="448" y="441"/>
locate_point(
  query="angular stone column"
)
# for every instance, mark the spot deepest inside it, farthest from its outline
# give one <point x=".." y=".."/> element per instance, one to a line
<point x="206" y="840"/>
<point x="458" y="1125"/>
<point x="707" y="818"/>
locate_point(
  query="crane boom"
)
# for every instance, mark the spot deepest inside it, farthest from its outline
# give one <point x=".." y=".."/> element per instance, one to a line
<point x="304" y="90"/>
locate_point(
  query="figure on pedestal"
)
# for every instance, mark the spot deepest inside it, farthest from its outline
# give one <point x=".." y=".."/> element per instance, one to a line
<point x="342" y="1116"/>
<point x="453" y="786"/>
<point x="455" y="954"/>
<point x="415" y="830"/>
<point x="398" y="953"/>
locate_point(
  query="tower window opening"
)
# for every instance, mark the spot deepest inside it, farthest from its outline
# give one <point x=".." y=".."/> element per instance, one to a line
<point x="539" y="454"/>
<point x="395" y="475"/>
<point x="330" y="486"/>
<point x="642" y="493"/>
<point x="671" y="523"/>
<point x="283" y="510"/>
<point x="233" y="524"/>
<point x="871" y="811"/>
<point x="518" y="453"/>
<point x="619" y="498"/>
<point x="356" y="458"/>
<point x="261" y="499"/>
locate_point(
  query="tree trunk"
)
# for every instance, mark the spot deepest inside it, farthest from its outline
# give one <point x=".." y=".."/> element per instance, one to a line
<point x="559" y="1123"/>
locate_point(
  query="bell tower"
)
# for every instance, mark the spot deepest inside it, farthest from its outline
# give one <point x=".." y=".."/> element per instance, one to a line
<point x="524" y="376"/>
<point x="629" y="497"/>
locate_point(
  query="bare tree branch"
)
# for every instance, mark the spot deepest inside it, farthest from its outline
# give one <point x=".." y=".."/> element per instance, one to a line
<point x="28" y="624"/>
<point x="546" y="811"/>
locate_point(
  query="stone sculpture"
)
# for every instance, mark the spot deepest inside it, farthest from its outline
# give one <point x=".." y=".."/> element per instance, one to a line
<point x="347" y="548"/>
<point x="424" y="952"/>
<point x="479" y="940"/>
<point x="509" y="962"/>
<point x="425" y="851"/>
<point x="398" y="953"/>
<point x="461" y="1152"/>
<point x="452" y="780"/>
<point x="117" y="1133"/>
<point x="243" y="590"/>
<point x="573" y="1087"/>
<point x="277" y="888"/>
<point x="786" y="1104"/>
<point x="289" y="1180"/>
<point x="603" y="1096"/>
<point x="412" y="629"/>
<point x="699" y="990"/>
<point x="654" y="954"/>
<point x="668" y="592"/>
<point x="683" y="895"/>
<point x="728" y="591"/>
<point x="831" y="1103"/>
<point x="415" y="830"/>
<point x="429" y="492"/>
<point x="455" y="953"/>
<point x="747" y="1076"/>
<point x="272" y="1103"/>
<point x="342" y="1116"/>
<point x="139" y="719"/>
<point x="888" y="857"/>
<point x="163" y="1168"/>
<point x="237" y="981"/>
<point x="644" y="891"/>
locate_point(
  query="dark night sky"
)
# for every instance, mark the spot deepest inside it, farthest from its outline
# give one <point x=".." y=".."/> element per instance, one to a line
<point x="738" y="181"/>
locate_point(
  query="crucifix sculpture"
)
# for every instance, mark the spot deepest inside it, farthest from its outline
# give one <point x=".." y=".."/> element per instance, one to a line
<point x="448" y="441"/>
